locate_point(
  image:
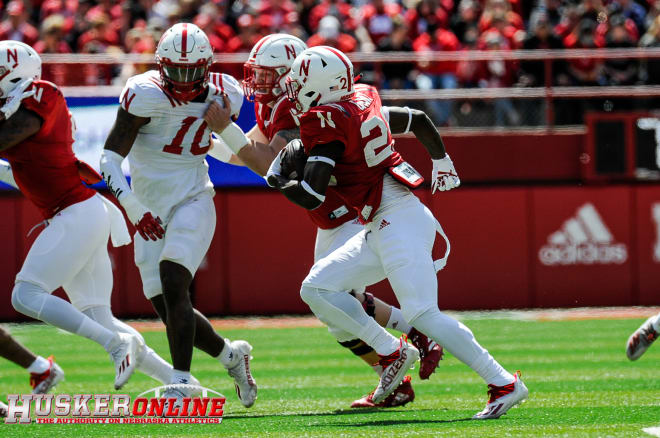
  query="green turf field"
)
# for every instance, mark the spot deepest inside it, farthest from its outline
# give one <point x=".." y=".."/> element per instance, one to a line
<point x="580" y="383"/>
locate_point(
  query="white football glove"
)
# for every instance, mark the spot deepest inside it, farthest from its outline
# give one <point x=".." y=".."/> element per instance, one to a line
<point x="15" y="97"/>
<point x="444" y="175"/>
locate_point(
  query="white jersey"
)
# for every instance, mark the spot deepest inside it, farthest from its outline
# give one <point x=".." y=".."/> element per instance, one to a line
<point x="167" y="161"/>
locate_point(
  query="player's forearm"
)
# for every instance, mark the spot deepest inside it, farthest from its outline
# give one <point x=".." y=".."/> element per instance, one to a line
<point x="404" y="119"/>
<point x="20" y="126"/>
<point x="258" y="156"/>
<point x="296" y="192"/>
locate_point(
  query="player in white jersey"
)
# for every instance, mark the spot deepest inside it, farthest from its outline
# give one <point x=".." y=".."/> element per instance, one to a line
<point x="160" y="129"/>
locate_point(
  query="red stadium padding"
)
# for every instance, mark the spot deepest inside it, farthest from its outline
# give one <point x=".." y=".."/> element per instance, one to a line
<point x="511" y="248"/>
<point x="582" y="246"/>
<point x="647" y="229"/>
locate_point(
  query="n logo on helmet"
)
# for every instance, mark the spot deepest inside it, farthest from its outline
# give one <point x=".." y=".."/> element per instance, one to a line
<point x="291" y="53"/>
<point x="304" y="67"/>
<point x="12" y="54"/>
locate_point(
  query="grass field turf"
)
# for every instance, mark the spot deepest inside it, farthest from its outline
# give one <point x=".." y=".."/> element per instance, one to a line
<point x="580" y="382"/>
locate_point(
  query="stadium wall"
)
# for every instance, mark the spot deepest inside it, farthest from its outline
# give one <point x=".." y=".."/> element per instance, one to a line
<point x="512" y="247"/>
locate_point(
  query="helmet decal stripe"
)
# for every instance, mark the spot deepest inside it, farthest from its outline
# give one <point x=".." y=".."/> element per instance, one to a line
<point x="349" y="76"/>
<point x="259" y="44"/>
<point x="184" y="41"/>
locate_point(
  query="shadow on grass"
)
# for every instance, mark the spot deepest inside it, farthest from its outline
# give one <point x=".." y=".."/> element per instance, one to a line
<point x="355" y="412"/>
<point x="391" y="423"/>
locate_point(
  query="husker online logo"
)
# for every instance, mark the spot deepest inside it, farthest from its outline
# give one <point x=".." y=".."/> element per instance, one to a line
<point x="116" y="408"/>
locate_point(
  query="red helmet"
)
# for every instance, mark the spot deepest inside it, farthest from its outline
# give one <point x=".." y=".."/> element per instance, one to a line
<point x="184" y="56"/>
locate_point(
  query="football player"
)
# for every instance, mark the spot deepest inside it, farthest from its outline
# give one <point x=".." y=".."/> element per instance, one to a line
<point x="160" y="129"/>
<point x="71" y="252"/>
<point x="346" y="135"/>
<point x="265" y="74"/>
<point x="643" y="337"/>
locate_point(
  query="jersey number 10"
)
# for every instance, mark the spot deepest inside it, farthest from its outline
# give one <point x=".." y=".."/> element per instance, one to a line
<point x="176" y="148"/>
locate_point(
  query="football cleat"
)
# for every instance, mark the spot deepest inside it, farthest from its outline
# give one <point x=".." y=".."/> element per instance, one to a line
<point x="641" y="340"/>
<point x="246" y="386"/>
<point x="175" y="394"/>
<point x="430" y="353"/>
<point x="125" y="357"/>
<point x="401" y="396"/>
<point x="395" y="366"/>
<point x="42" y="383"/>
<point x="503" y="398"/>
<point x="4" y="409"/>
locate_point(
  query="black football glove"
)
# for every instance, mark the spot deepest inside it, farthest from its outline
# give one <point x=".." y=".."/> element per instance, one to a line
<point x="293" y="159"/>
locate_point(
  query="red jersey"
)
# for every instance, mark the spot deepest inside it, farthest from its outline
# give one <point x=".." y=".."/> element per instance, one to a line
<point x="271" y="120"/>
<point x="44" y="165"/>
<point x="369" y="148"/>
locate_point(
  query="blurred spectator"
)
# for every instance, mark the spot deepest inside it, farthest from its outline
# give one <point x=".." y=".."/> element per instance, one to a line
<point x="100" y="36"/>
<point x="52" y="41"/>
<point x="437" y="75"/>
<point x="279" y="12"/>
<point x="304" y="13"/>
<point x="377" y="19"/>
<point x="339" y="9"/>
<point x="466" y="18"/>
<point x="498" y="74"/>
<point x="52" y="37"/>
<point x="635" y="12"/>
<point x="502" y="10"/>
<point x="428" y="14"/>
<point x="65" y="8"/>
<point x="205" y="22"/>
<point x="397" y="75"/>
<point x="652" y="39"/>
<point x="330" y="34"/>
<point x="587" y="71"/>
<point x="247" y="35"/>
<point x="16" y="27"/>
<point x="532" y="73"/>
<point x="620" y="71"/>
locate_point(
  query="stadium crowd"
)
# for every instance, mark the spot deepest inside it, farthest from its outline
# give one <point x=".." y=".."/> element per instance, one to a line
<point x="135" y="26"/>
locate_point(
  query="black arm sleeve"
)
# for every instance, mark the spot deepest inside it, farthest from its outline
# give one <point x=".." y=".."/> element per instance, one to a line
<point x="310" y="192"/>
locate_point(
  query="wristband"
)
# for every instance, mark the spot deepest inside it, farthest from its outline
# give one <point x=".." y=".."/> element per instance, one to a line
<point x="234" y="137"/>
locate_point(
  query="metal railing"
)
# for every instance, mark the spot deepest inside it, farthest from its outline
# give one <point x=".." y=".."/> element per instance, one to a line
<point x="546" y="94"/>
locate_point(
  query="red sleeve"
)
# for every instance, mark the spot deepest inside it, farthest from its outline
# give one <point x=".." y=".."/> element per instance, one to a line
<point x="323" y="125"/>
<point x="44" y="101"/>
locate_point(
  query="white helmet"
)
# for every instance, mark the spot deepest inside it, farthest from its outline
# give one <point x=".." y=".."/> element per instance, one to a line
<point x="184" y="56"/>
<point x="319" y="75"/>
<point x="18" y="61"/>
<point x="264" y="74"/>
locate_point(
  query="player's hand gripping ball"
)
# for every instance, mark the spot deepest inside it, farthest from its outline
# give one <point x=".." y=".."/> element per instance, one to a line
<point x="293" y="160"/>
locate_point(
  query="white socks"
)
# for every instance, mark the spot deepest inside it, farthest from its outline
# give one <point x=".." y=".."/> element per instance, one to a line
<point x="397" y="322"/>
<point x="179" y="376"/>
<point x="227" y="356"/>
<point x="459" y="341"/>
<point x="40" y="365"/>
<point x="150" y="363"/>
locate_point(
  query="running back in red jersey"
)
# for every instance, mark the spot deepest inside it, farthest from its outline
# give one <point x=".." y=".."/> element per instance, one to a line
<point x="360" y="125"/>
<point x="44" y="165"/>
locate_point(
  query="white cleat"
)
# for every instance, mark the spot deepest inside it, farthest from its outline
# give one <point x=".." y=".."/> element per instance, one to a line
<point x="125" y="357"/>
<point x="641" y="340"/>
<point x="503" y="398"/>
<point x="175" y="394"/>
<point x="246" y="387"/>
<point x="42" y="383"/>
<point x="395" y="366"/>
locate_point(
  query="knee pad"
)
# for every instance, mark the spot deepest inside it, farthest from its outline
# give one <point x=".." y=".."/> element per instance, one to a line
<point x="28" y="299"/>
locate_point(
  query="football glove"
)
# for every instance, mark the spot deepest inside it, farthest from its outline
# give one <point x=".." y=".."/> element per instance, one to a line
<point x="293" y="159"/>
<point x="444" y="175"/>
<point x="145" y="223"/>
<point x="15" y="97"/>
